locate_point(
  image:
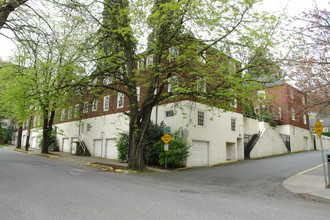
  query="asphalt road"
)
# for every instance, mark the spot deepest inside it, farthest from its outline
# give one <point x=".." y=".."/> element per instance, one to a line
<point x="33" y="187"/>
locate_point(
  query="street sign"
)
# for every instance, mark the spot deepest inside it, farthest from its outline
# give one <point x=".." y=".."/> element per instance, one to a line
<point x="318" y="128"/>
<point x="166" y="138"/>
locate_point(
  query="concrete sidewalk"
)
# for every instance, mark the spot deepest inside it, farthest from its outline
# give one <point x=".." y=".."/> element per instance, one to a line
<point x="79" y="161"/>
<point x="310" y="184"/>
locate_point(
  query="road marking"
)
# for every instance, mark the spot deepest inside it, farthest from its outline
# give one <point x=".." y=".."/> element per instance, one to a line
<point x="311" y="169"/>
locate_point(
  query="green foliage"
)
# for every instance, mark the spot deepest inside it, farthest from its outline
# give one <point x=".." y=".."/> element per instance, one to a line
<point x="123" y="146"/>
<point x="154" y="133"/>
<point x="326" y="134"/>
<point x="53" y="145"/>
<point x="176" y="155"/>
<point x="6" y="135"/>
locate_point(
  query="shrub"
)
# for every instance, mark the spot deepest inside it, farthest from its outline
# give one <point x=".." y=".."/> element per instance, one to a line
<point x="177" y="153"/>
<point x="122" y="146"/>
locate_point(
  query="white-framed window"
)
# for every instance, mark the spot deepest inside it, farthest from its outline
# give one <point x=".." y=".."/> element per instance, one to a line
<point x="303" y="100"/>
<point x="85" y="109"/>
<point x="140" y="64"/>
<point x="280" y="112"/>
<point x="293" y="114"/>
<point x="200" y="118"/>
<point x="261" y="95"/>
<point x="63" y="115"/>
<point x="94" y="81"/>
<point x="201" y="85"/>
<point x="291" y="94"/>
<point x="305" y="119"/>
<point x="76" y="111"/>
<point x="107" y="80"/>
<point x="39" y="121"/>
<point x="149" y="60"/>
<point x="120" y="100"/>
<point x="233" y="124"/>
<point x="35" y="120"/>
<point x="138" y="93"/>
<point x="174" y="53"/>
<point x="172" y="83"/>
<point x="169" y="113"/>
<point x="94" y="105"/>
<point x="106" y="103"/>
<point x="70" y="113"/>
<point x="88" y="127"/>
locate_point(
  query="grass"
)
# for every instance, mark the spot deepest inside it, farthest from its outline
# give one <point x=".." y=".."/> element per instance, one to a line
<point x="3" y="145"/>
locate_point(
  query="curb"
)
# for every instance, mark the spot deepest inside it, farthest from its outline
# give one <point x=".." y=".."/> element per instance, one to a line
<point x="47" y="155"/>
<point x="313" y="197"/>
<point x="108" y="168"/>
<point x="23" y="151"/>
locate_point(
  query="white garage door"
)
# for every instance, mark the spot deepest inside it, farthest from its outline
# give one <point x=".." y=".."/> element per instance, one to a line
<point x="199" y="154"/>
<point x="112" y="152"/>
<point x="66" y="145"/>
<point x="34" y="142"/>
<point x="98" y="148"/>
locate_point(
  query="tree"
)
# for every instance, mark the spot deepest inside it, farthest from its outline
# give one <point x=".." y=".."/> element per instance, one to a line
<point x="47" y="65"/>
<point x="309" y="58"/>
<point x="6" y="7"/>
<point x="211" y="53"/>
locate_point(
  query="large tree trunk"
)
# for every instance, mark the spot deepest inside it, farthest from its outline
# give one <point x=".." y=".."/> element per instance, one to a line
<point x="27" y="143"/>
<point x="47" y="130"/>
<point x="7" y="8"/>
<point x="137" y="131"/>
<point x="19" y="136"/>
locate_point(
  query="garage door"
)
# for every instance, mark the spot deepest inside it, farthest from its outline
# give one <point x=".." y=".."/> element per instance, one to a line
<point x="98" y="148"/>
<point x="34" y="142"/>
<point x="199" y="154"/>
<point x="112" y="152"/>
<point x="66" y="145"/>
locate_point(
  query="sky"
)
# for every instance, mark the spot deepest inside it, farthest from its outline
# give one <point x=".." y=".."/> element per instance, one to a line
<point x="294" y="7"/>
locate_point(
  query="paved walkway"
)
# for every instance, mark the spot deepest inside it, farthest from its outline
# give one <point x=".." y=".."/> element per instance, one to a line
<point x="310" y="183"/>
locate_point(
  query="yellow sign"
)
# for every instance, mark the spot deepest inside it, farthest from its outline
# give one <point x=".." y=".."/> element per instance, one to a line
<point x="318" y="128"/>
<point x="166" y="138"/>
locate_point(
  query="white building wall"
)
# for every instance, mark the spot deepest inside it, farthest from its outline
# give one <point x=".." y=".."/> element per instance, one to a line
<point x="270" y="143"/>
<point x="300" y="138"/>
<point x="251" y="126"/>
<point x="325" y="142"/>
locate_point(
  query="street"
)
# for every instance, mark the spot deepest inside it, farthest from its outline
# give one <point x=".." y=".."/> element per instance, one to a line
<point x="33" y="187"/>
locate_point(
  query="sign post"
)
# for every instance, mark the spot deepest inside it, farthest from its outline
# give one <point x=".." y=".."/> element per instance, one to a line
<point x="318" y="128"/>
<point x="166" y="138"/>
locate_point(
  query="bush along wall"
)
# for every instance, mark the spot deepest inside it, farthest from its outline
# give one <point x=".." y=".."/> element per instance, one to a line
<point x="154" y="153"/>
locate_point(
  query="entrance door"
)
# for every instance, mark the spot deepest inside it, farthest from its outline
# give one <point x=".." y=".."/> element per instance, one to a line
<point x="98" y="148"/>
<point x="66" y="145"/>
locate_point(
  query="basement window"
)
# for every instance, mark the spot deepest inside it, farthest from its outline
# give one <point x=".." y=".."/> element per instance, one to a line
<point x="233" y="124"/>
<point x="200" y="118"/>
<point x="169" y="113"/>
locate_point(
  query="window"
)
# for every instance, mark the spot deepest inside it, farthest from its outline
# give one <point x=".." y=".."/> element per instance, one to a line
<point x="140" y="64"/>
<point x="120" y="100"/>
<point x="280" y="112"/>
<point x="88" y="127"/>
<point x="94" y="105"/>
<point x="85" y="110"/>
<point x="70" y="113"/>
<point x="172" y="83"/>
<point x="76" y="111"/>
<point x="261" y="95"/>
<point x="200" y="118"/>
<point x="293" y="115"/>
<point x="305" y="119"/>
<point x="149" y="60"/>
<point x="107" y="80"/>
<point x="169" y="113"/>
<point x="106" y="103"/>
<point x="63" y="115"/>
<point x="303" y="100"/>
<point x="291" y="94"/>
<point x="201" y="85"/>
<point x="233" y="124"/>
<point x="174" y="53"/>
<point x="138" y="91"/>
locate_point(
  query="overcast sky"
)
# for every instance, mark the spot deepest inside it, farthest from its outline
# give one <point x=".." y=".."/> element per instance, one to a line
<point x="294" y="7"/>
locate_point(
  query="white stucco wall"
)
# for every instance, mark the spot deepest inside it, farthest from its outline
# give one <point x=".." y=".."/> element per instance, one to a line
<point x="325" y="142"/>
<point x="251" y="126"/>
<point x="270" y="143"/>
<point x="300" y="138"/>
